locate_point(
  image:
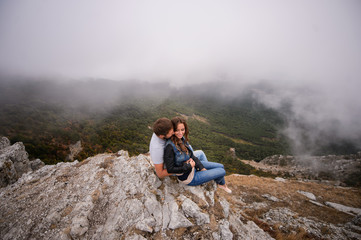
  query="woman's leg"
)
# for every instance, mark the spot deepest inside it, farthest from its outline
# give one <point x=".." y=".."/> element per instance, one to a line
<point x="211" y="165"/>
<point x="216" y="174"/>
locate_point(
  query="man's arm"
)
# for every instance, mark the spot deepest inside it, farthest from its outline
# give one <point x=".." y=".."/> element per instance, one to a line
<point x="161" y="172"/>
<point x="156" y="154"/>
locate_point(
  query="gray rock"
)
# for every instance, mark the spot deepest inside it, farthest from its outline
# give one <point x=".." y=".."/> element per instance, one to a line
<point x="316" y="203"/>
<point x="177" y="220"/>
<point x="114" y="196"/>
<point x="309" y="195"/>
<point x="14" y="162"/>
<point x="271" y="198"/>
<point x="345" y="209"/>
<point x="225" y="233"/>
<point x="122" y="153"/>
<point x="286" y="219"/>
<point x="145" y="225"/>
<point x="36" y="164"/>
<point x="4" y="143"/>
<point x="136" y="237"/>
<point x="279" y="179"/>
<point x="53" y="217"/>
<point x="335" y="168"/>
<point x="216" y="236"/>
<point x="17" y="154"/>
<point x="357" y="220"/>
<point x="198" y="191"/>
<point x="8" y="174"/>
<point x="191" y="209"/>
<point x="248" y="231"/>
<point x="225" y="206"/>
<point x="79" y="227"/>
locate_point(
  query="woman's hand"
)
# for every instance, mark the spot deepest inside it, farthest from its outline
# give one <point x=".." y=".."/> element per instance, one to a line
<point x="191" y="162"/>
<point x="203" y="169"/>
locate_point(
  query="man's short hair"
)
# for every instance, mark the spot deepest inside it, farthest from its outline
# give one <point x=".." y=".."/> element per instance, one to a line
<point x="162" y="126"/>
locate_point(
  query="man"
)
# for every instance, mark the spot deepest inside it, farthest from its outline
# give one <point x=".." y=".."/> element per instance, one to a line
<point x="163" y="129"/>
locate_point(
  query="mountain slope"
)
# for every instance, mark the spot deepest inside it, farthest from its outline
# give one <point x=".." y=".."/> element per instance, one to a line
<point x="48" y="116"/>
<point x="103" y="120"/>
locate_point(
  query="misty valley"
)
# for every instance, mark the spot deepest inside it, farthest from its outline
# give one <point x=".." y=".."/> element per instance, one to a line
<point x="226" y="121"/>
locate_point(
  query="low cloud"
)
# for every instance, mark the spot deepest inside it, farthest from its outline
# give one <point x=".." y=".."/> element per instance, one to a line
<point x="315" y="115"/>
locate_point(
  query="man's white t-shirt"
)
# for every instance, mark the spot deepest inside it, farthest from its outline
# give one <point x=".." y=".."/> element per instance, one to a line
<point x="156" y="149"/>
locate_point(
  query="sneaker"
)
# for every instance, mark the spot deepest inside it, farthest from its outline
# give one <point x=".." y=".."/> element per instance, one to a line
<point x="225" y="188"/>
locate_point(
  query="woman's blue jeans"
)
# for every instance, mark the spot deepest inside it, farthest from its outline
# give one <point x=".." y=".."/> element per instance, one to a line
<point x="215" y="171"/>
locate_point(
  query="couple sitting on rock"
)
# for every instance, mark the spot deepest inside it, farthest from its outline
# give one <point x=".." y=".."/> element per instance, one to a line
<point x="172" y="154"/>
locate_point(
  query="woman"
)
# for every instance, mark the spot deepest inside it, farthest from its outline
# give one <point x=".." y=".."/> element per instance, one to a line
<point x="179" y="159"/>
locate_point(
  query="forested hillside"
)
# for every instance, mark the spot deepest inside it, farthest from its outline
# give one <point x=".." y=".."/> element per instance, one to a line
<point x="108" y="116"/>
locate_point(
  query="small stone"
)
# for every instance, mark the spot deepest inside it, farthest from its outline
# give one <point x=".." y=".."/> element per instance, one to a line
<point x="317" y="203"/>
<point x="271" y="198"/>
<point x="345" y="209"/>
<point x="279" y="179"/>
<point x="308" y="195"/>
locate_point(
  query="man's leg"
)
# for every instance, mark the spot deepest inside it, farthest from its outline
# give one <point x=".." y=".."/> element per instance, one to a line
<point x="200" y="155"/>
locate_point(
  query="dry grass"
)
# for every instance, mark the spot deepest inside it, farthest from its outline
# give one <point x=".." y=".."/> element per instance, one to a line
<point x="108" y="163"/>
<point x="251" y="188"/>
<point x="95" y="195"/>
<point x="301" y="234"/>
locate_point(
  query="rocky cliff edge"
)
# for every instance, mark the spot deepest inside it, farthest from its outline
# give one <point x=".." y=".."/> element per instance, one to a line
<point x="114" y="196"/>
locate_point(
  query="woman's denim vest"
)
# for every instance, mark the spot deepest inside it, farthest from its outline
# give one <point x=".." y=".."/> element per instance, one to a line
<point x="180" y="156"/>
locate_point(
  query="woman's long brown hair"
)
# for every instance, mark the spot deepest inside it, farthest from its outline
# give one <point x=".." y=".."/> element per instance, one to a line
<point x="178" y="142"/>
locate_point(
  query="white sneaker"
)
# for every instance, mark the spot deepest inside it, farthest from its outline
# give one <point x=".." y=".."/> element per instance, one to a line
<point x="225" y="188"/>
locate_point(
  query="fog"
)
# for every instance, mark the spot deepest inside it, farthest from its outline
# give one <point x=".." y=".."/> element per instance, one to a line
<point x="315" y="117"/>
<point x="301" y="57"/>
<point x="183" y="41"/>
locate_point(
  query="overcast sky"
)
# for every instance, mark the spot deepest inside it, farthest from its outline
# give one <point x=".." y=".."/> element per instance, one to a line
<point x="313" y="44"/>
<point x="306" y="40"/>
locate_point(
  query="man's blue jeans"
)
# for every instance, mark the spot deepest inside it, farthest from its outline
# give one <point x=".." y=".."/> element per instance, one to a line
<point x="200" y="155"/>
<point x="215" y="171"/>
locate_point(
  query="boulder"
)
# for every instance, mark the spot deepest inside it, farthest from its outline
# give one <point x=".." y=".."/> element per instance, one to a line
<point x="4" y="143"/>
<point x="14" y="162"/>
